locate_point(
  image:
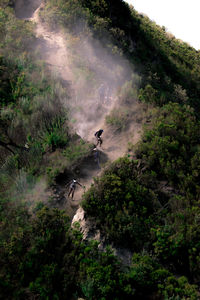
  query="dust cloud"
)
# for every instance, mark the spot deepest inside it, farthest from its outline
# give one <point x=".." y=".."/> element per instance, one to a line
<point x="95" y="75"/>
<point x="86" y="65"/>
<point x="99" y="76"/>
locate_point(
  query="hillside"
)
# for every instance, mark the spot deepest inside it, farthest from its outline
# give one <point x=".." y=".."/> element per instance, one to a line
<point x="141" y="199"/>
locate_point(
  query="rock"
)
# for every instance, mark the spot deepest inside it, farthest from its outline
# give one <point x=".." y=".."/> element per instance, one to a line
<point x="88" y="228"/>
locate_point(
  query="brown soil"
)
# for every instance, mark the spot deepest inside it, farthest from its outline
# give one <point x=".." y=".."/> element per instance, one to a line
<point x="54" y="51"/>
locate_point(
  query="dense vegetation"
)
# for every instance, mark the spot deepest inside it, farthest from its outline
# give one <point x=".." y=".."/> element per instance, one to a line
<point x="41" y="257"/>
<point x="147" y="202"/>
<point x="151" y="202"/>
<point x="34" y="118"/>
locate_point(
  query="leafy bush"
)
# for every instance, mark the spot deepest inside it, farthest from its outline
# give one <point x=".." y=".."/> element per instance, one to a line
<point x="149" y="278"/>
<point x="54" y="139"/>
<point x="76" y="151"/>
<point x="148" y="95"/>
<point x="122" y="207"/>
<point x="104" y="277"/>
<point x="171" y="143"/>
<point x="117" y="119"/>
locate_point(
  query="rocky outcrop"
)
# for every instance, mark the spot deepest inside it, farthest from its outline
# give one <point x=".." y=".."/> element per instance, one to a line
<point x="88" y="228"/>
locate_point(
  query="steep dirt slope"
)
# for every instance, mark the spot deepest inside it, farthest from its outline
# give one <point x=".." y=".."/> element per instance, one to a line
<point x="90" y="117"/>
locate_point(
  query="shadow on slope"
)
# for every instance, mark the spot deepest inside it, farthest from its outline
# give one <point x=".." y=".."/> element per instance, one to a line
<point x="25" y="8"/>
<point x="84" y="172"/>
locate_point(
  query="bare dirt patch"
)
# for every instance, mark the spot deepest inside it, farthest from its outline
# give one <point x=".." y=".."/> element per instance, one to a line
<point x="89" y="114"/>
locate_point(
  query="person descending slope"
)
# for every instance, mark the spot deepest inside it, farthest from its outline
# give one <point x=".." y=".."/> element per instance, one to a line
<point x="98" y="137"/>
<point x="72" y="186"/>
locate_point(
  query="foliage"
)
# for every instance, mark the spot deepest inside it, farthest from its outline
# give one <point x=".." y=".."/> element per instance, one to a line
<point x="15" y="35"/>
<point x="117" y="119"/>
<point x="33" y="120"/>
<point x="171" y="145"/>
<point x="55" y="136"/>
<point x="148" y="277"/>
<point x="131" y="206"/>
<point x="149" y="204"/>
<point x="104" y="277"/>
<point x="76" y="151"/>
<point x="65" y="13"/>
<point x="122" y="207"/>
<point x="8" y="75"/>
<point x="42" y="257"/>
<point x="169" y="67"/>
<point x="148" y="94"/>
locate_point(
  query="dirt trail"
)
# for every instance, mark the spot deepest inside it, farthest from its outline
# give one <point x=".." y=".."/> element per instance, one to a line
<point x="53" y="49"/>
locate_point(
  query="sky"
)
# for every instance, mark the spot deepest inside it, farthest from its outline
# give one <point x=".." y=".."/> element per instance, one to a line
<point x="180" y="17"/>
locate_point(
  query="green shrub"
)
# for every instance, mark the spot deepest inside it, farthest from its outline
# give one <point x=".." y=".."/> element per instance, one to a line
<point x="122" y="207"/>
<point x="51" y="174"/>
<point x="55" y="139"/>
<point x="148" y="95"/>
<point x="171" y="143"/>
<point x="149" y="278"/>
<point x="76" y="151"/>
<point x="117" y="118"/>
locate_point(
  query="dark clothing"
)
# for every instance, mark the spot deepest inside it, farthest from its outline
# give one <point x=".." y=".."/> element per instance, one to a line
<point x="71" y="191"/>
<point x="72" y="187"/>
<point x="98" y="137"/>
<point x="99" y="133"/>
<point x="99" y="142"/>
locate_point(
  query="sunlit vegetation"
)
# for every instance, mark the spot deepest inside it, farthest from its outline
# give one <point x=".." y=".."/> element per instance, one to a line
<point x="147" y="203"/>
<point x="151" y="203"/>
<point x="33" y="120"/>
<point x="167" y="65"/>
